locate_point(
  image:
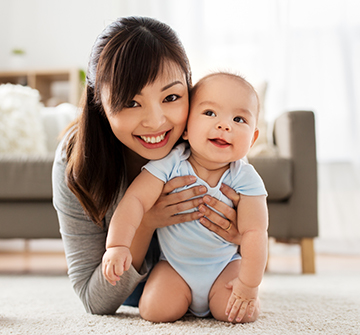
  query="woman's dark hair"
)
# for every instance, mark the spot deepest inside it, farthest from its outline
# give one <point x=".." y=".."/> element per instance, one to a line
<point x="127" y="55"/>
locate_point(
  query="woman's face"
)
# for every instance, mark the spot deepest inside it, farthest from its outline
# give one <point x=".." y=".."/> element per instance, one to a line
<point x="155" y="119"/>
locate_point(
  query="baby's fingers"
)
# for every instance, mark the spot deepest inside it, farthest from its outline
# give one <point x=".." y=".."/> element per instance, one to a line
<point x="242" y="311"/>
<point x="127" y="263"/>
<point x="251" y="309"/>
<point x="230" y="304"/>
<point x="233" y="307"/>
<point x="110" y="275"/>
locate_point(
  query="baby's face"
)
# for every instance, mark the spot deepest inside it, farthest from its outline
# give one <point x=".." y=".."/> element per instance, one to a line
<point x="222" y="122"/>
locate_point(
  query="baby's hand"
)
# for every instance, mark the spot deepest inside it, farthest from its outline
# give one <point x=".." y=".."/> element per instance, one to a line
<point x="116" y="261"/>
<point x="242" y="299"/>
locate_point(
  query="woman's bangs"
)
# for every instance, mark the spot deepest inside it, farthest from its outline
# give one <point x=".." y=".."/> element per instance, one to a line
<point x="135" y="67"/>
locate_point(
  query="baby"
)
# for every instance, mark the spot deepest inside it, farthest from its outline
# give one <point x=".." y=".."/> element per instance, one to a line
<point x="198" y="270"/>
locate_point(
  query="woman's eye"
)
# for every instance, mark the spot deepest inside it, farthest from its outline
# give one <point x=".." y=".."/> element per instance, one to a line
<point x="210" y="113"/>
<point x="132" y="104"/>
<point x="171" y="97"/>
<point x="239" y="119"/>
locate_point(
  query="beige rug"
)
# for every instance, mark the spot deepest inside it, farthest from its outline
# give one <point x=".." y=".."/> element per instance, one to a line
<point x="291" y="304"/>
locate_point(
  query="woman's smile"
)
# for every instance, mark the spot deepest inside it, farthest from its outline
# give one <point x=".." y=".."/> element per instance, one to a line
<point x="154" y="141"/>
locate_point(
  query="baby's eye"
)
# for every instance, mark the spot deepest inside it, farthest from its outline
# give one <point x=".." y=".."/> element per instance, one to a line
<point x="171" y="97"/>
<point x="239" y="119"/>
<point x="132" y="104"/>
<point x="209" y="113"/>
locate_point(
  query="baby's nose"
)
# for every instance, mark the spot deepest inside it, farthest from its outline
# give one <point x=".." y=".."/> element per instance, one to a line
<point x="223" y="127"/>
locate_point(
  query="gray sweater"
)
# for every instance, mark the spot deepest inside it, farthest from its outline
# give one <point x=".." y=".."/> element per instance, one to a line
<point x="84" y="244"/>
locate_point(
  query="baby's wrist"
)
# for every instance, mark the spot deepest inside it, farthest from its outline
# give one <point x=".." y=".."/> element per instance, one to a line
<point x="117" y="246"/>
<point x="247" y="285"/>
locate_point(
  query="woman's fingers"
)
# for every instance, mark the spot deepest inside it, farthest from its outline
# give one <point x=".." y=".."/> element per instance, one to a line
<point x="228" y="212"/>
<point x="177" y="182"/>
<point x="186" y="195"/>
<point x="231" y="194"/>
<point x="231" y="235"/>
<point x="186" y="217"/>
<point x="226" y="225"/>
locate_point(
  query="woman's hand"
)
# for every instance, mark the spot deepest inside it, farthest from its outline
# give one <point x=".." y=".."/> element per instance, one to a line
<point x="166" y="209"/>
<point x="224" y="227"/>
<point x="165" y="213"/>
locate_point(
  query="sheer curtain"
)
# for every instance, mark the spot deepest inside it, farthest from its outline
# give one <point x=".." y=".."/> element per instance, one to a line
<point x="307" y="51"/>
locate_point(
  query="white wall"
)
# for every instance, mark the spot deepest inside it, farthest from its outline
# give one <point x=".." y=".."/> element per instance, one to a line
<point x="306" y="50"/>
<point x="53" y="33"/>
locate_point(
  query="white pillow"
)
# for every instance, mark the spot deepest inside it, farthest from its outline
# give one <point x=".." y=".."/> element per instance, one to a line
<point x="262" y="146"/>
<point x="55" y="120"/>
<point x="21" y="128"/>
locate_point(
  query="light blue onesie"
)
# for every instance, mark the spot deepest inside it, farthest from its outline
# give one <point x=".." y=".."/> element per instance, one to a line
<point x="196" y="253"/>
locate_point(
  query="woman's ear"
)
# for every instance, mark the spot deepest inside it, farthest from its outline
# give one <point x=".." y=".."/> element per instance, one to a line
<point x="255" y="137"/>
<point x="184" y="135"/>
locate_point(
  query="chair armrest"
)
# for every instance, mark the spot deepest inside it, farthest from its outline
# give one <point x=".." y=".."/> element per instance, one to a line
<point x="294" y="137"/>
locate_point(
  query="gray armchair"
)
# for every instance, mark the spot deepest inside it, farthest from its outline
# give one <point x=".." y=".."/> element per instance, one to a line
<point x="290" y="177"/>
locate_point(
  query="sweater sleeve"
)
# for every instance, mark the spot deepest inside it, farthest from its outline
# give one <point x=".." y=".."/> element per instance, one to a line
<point x="84" y="244"/>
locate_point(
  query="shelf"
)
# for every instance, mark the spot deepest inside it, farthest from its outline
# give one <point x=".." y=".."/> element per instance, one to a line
<point x="44" y="79"/>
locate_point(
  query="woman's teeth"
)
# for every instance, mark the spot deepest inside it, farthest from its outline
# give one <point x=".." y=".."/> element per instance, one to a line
<point x="153" y="139"/>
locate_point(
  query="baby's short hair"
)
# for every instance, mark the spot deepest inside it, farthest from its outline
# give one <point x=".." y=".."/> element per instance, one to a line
<point x="230" y="75"/>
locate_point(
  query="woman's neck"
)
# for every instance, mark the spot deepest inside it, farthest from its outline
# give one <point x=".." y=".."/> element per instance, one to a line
<point x="134" y="163"/>
<point x="209" y="172"/>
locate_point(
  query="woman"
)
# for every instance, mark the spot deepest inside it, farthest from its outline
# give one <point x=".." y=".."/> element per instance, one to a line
<point x="108" y="144"/>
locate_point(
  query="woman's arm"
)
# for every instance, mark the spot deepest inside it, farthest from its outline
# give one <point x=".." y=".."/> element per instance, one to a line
<point x="84" y="245"/>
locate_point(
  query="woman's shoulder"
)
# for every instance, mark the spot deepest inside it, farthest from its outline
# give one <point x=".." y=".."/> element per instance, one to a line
<point x="60" y="153"/>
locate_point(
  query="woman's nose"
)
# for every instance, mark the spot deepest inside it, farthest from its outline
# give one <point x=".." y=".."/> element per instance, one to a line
<point x="154" y="118"/>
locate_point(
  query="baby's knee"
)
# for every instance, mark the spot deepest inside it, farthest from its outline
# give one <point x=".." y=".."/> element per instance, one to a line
<point x="149" y="313"/>
<point x="157" y="312"/>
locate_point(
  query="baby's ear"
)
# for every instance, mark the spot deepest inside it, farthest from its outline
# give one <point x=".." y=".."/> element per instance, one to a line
<point x="255" y="137"/>
<point x="185" y="135"/>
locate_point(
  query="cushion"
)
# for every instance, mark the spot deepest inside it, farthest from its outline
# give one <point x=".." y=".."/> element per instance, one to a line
<point x="55" y="120"/>
<point x="277" y="174"/>
<point x="26" y="177"/>
<point x="21" y="128"/>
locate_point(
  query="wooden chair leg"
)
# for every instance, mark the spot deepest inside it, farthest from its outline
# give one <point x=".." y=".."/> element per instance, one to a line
<point x="307" y="255"/>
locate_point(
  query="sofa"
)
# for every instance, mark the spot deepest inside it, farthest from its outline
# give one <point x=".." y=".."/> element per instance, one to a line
<point x="26" y="210"/>
<point x="289" y="173"/>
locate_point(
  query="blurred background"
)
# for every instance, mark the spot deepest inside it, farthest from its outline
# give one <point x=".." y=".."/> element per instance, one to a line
<point x="306" y="51"/>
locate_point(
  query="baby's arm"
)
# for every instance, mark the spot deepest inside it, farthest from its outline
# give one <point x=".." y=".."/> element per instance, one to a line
<point x="252" y="226"/>
<point x="138" y="199"/>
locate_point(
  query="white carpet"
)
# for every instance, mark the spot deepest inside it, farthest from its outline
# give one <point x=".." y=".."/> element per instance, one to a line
<point x="291" y="304"/>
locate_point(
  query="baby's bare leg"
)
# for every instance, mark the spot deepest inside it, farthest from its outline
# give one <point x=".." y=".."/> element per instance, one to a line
<point x="166" y="296"/>
<point x="219" y="294"/>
